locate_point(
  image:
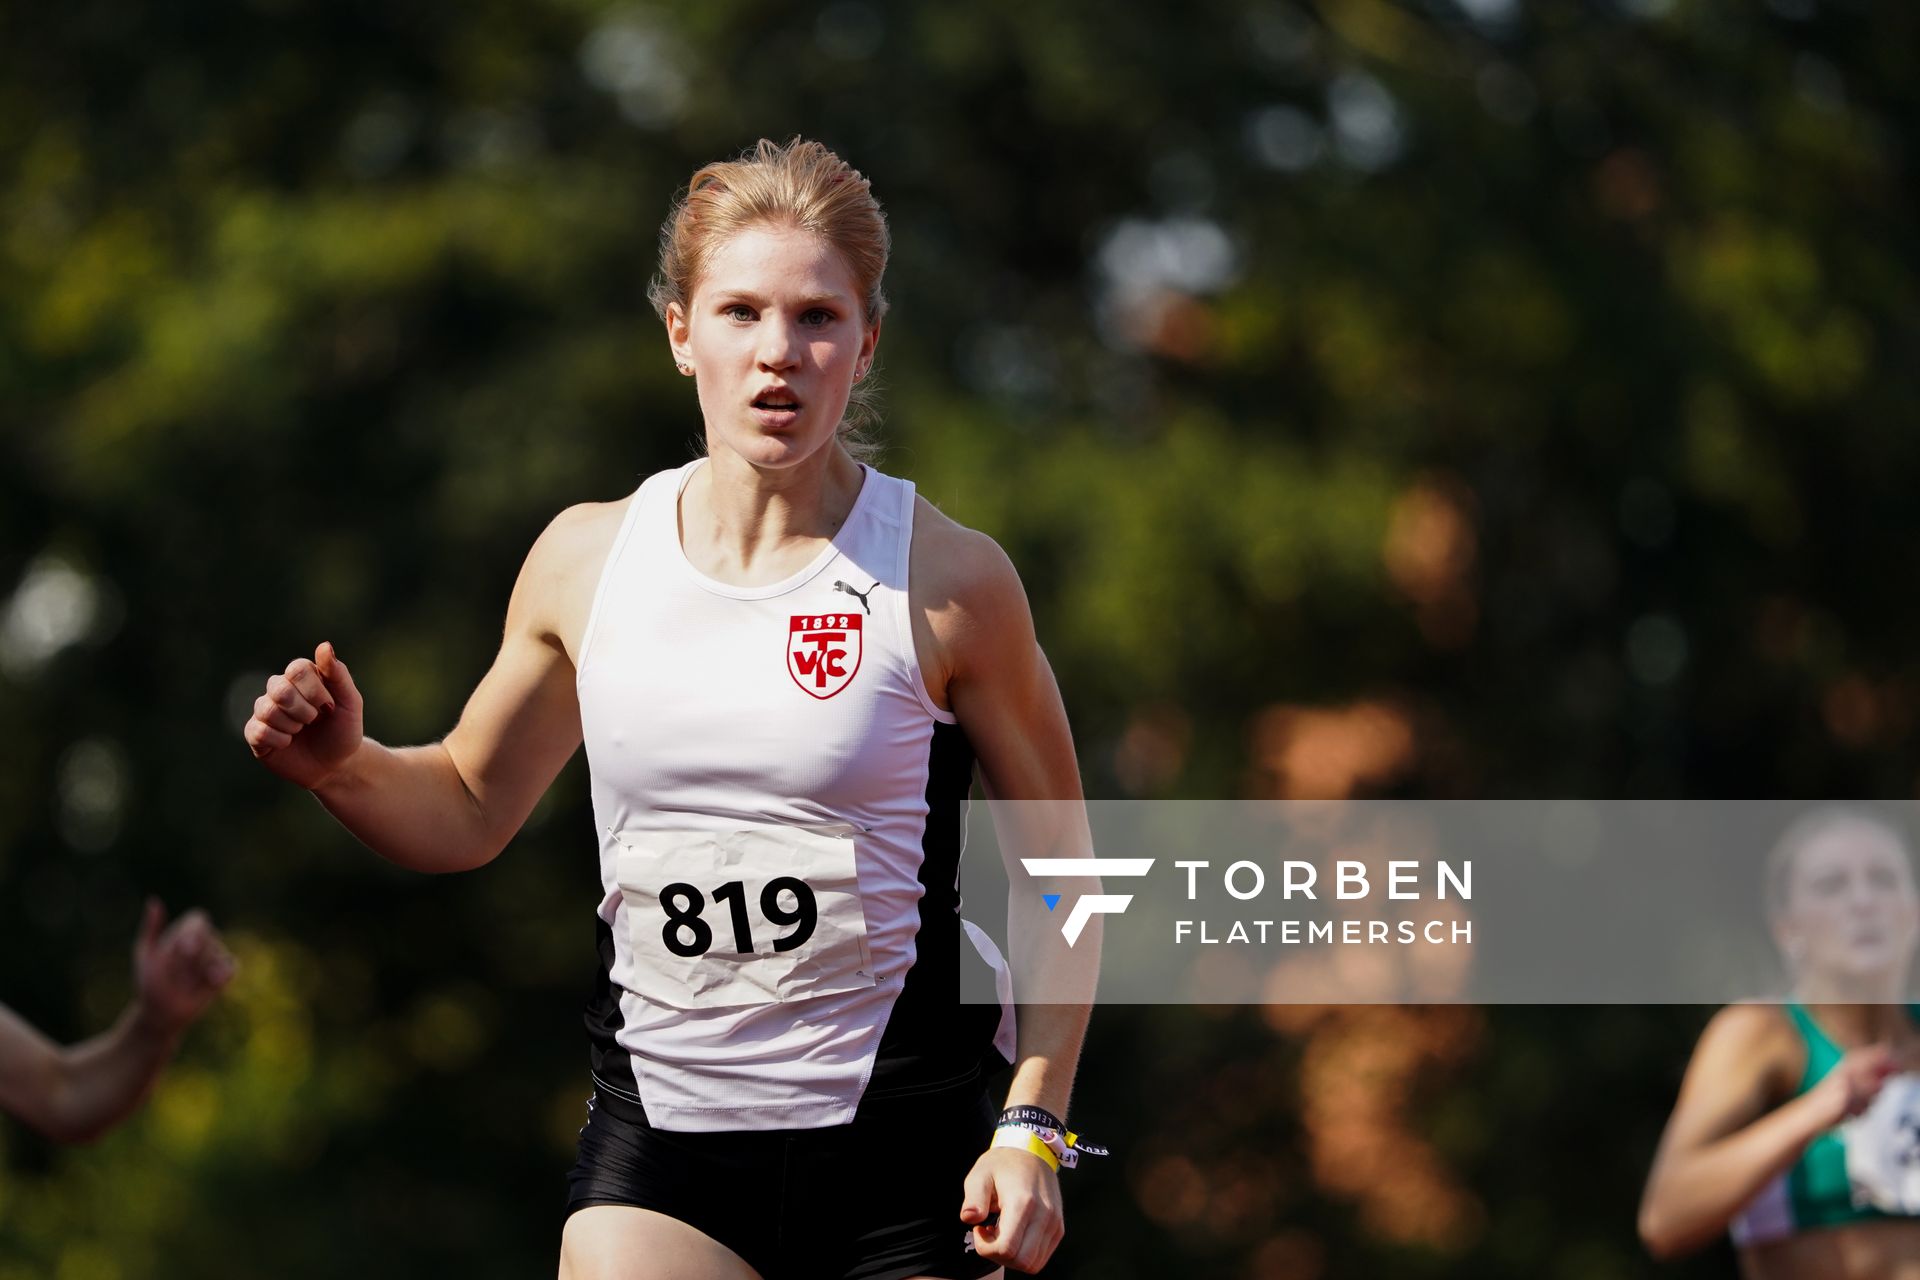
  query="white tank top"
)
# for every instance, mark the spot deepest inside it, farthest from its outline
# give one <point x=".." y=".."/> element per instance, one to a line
<point x="780" y="810"/>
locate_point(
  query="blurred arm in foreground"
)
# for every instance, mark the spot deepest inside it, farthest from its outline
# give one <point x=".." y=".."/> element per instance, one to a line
<point x="76" y="1093"/>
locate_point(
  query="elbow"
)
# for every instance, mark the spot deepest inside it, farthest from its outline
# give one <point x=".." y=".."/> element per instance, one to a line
<point x="480" y="842"/>
<point x="69" y="1127"/>
<point x="59" y="1123"/>
<point x="442" y="856"/>
<point x="476" y="853"/>
<point x="47" y="1107"/>
<point x="1659" y="1237"/>
<point x="1654" y="1239"/>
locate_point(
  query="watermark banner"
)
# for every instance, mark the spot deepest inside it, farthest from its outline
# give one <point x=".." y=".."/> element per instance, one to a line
<point x="1394" y="901"/>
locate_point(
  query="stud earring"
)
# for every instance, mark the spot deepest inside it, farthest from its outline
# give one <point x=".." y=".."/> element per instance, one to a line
<point x="684" y="368"/>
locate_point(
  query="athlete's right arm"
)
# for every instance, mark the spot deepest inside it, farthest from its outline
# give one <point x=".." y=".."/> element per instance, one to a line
<point x="1723" y="1144"/>
<point x="451" y="805"/>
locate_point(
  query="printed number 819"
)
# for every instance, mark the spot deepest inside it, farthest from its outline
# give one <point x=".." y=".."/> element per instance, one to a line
<point x="684" y="919"/>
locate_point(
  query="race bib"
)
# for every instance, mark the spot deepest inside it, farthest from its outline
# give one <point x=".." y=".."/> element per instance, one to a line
<point x="720" y="919"/>
<point x="1883" y="1149"/>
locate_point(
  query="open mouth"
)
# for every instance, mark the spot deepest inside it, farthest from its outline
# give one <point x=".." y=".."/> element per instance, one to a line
<point x="776" y="410"/>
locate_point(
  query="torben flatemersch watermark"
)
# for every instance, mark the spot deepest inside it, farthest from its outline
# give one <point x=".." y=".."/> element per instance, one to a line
<point x="1482" y="902"/>
<point x="1246" y="881"/>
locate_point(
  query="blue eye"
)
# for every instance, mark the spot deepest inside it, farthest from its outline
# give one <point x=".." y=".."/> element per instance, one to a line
<point x="739" y="311"/>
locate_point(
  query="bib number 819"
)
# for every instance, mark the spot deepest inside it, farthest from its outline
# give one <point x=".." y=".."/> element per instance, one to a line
<point x="686" y="934"/>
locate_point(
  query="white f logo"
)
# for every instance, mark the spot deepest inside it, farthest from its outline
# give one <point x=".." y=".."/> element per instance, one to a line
<point x="1092" y="904"/>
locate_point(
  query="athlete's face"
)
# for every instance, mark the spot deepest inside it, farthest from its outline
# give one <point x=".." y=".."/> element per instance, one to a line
<point x="1851" y="910"/>
<point x="775" y="334"/>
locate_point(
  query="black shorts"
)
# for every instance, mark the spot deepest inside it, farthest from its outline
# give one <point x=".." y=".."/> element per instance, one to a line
<point x="877" y="1199"/>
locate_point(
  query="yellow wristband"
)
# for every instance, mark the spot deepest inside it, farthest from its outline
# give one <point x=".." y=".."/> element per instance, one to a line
<point x="1026" y="1140"/>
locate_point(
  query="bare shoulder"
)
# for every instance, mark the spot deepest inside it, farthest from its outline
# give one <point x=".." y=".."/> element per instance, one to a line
<point x="584" y="530"/>
<point x="960" y="570"/>
<point x="1749" y="1027"/>
<point x="555" y="590"/>
<point x="1756" y="1042"/>
<point x="963" y="588"/>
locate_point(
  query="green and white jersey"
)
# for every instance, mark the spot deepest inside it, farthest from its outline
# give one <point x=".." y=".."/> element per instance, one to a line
<point x="1867" y="1168"/>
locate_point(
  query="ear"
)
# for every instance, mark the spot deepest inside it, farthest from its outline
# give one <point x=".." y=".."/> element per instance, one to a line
<point x="1786" y="939"/>
<point x="868" y="342"/>
<point x="679" y="331"/>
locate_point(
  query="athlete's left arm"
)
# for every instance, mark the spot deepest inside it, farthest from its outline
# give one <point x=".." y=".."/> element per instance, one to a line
<point x="1003" y="693"/>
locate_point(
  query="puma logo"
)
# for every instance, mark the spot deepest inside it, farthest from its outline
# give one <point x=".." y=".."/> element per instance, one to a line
<point x="841" y="586"/>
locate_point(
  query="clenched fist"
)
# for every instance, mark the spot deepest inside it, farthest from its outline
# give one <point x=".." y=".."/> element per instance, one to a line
<point x="178" y="969"/>
<point x="308" y="722"/>
<point x="1856" y="1080"/>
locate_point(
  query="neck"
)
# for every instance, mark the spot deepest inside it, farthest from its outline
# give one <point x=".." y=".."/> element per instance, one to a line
<point x="1858" y="1024"/>
<point x="745" y="513"/>
<point x="1852" y="988"/>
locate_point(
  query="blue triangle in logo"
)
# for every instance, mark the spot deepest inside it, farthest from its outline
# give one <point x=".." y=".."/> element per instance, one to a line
<point x="1051" y="899"/>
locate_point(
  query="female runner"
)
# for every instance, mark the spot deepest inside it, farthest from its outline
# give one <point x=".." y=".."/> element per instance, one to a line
<point x="784" y="666"/>
<point x="1798" y="1125"/>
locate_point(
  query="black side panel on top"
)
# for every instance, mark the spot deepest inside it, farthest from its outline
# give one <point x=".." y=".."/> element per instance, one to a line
<point x="930" y="1037"/>
<point x="609" y="1062"/>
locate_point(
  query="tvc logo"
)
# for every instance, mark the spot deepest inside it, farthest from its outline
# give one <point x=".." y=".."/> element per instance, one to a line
<point x="1087" y="905"/>
<point x="823" y="651"/>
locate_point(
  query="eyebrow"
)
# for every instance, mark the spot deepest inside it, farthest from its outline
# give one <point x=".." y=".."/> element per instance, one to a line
<point x="729" y="297"/>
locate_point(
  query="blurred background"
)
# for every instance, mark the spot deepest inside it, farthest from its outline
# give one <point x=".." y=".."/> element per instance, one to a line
<point x="1459" y="398"/>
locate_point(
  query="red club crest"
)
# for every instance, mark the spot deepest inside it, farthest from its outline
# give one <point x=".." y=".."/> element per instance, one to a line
<point x="823" y="651"/>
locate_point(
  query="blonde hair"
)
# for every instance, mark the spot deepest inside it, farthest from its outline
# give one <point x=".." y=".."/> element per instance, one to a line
<point x="801" y="185"/>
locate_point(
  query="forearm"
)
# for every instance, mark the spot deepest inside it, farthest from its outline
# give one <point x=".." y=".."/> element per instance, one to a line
<point x="411" y="806"/>
<point x="1695" y="1195"/>
<point x="1050" y="1037"/>
<point x="30" y="1071"/>
<point x="1058" y="982"/>
<point x="101" y="1081"/>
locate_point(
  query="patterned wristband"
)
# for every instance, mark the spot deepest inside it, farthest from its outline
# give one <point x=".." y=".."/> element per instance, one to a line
<point x="1040" y="1116"/>
<point x="1066" y="1147"/>
<point x="1025" y="1140"/>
